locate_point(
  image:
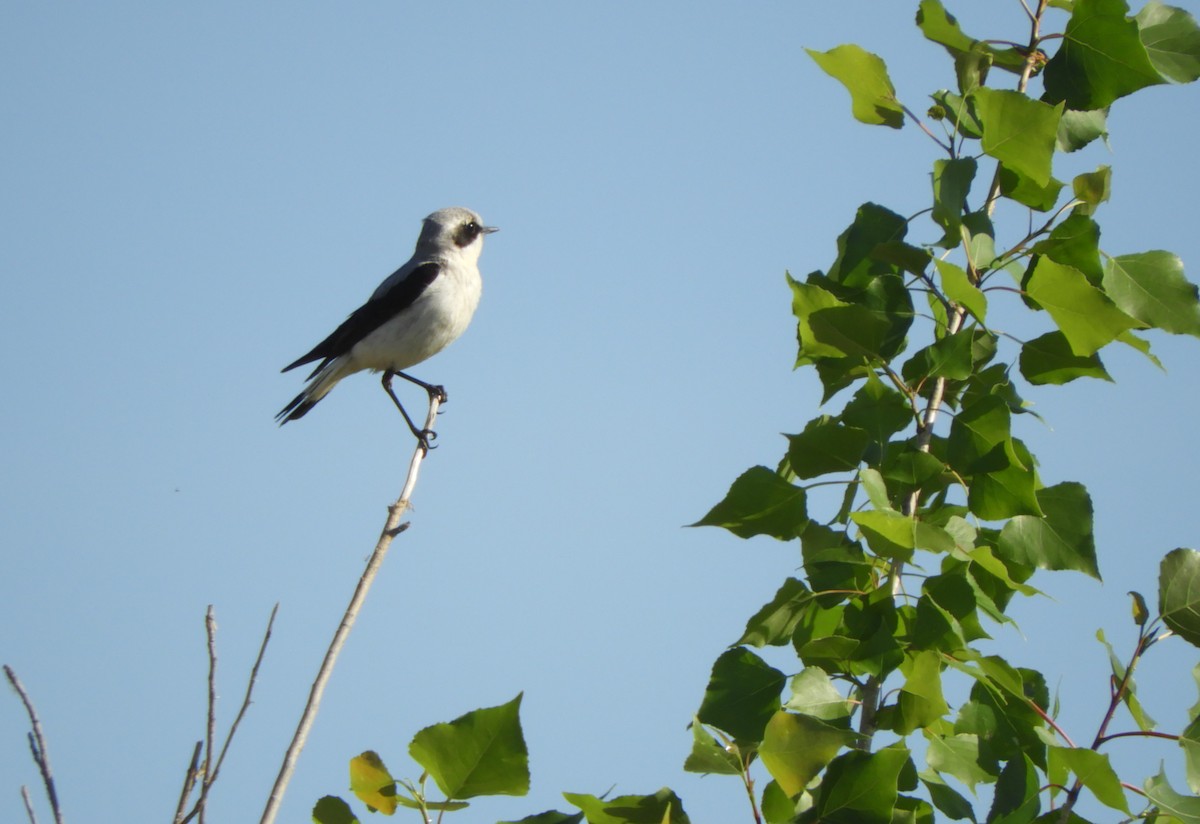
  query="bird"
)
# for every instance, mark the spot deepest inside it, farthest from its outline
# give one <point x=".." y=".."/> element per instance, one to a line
<point x="415" y="313"/>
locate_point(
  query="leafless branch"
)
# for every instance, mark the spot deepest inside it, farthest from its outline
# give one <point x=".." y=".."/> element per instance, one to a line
<point x="391" y="528"/>
<point x="189" y="782"/>
<point x="28" y="805"/>
<point x="37" y="746"/>
<point x="207" y="774"/>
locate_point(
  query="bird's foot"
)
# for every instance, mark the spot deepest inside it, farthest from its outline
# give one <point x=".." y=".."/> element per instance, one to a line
<point x="438" y="392"/>
<point x="425" y="438"/>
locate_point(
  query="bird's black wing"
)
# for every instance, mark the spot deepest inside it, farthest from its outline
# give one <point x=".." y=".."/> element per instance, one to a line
<point x="370" y="316"/>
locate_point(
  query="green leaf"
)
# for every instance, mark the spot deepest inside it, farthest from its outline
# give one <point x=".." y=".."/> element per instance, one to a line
<point x="1172" y="41"/>
<point x="950" y="357"/>
<point x="946" y="613"/>
<point x="743" y="693"/>
<point x="951" y="185"/>
<point x="480" y="753"/>
<point x="774" y="623"/>
<point x="872" y="95"/>
<point x="850" y="331"/>
<point x="708" y="756"/>
<point x="1049" y="359"/>
<point x="1152" y="288"/>
<point x="976" y="431"/>
<point x="1007" y="487"/>
<point x="912" y="810"/>
<point x="1018" y="131"/>
<point x="860" y="787"/>
<point x="958" y="287"/>
<point x="1077" y="129"/>
<point x="957" y="756"/>
<point x="1092" y="188"/>
<point x="372" y="783"/>
<point x="941" y="27"/>
<point x="833" y="561"/>
<point x="947" y="800"/>
<point x="1141" y="345"/>
<point x="888" y="533"/>
<point x="1016" y="800"/>
<point x="664" y="807"/>
<point x="1086" y="315"/>
<point x="1101" y="58"/>
<point x="796" y="748"/>
<point x="549" y="817"/>
<point x="1075" y="242"/>
<point x="1024" y="190"/>
<point x="921" y="703"/>
<point x="959" y="111"/>
<point x="910" y="470"/>
<point x="826" y="446"/>
<point x="776" y="807"/>
<point x="760" y="503"/>
<point x="875" y="487"/>
<point x="857" y="262"/>
<point x="333" y="810"/>
<point x="1179" y="593"/>
<point x="808" y="299"/>
<point x="1189" y="741"/>
<point x="878" y="410"/>
<point x="1063" y="539"/>
<point x="1185" y="809"/>
<point x="1094" y="771"/>
<point x="814" y="694"/>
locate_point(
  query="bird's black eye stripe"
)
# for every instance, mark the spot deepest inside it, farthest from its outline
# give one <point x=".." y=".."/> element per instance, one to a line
<point x="465" y="234"/>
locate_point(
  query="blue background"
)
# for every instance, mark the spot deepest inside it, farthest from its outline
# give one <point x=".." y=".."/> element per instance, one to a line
<point x="192" y="196"/>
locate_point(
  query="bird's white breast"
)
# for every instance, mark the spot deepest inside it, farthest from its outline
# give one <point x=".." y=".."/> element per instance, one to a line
<point x="439" y="316"/>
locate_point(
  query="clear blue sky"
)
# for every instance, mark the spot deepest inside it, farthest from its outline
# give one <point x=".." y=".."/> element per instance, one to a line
<point x="193" y="196"/>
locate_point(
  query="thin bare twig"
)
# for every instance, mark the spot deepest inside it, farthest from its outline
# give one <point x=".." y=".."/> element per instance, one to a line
<point x="210" y="729"/>
<point x="262" y="649"/>
<point x="391" y="528"/>
<point x="37" y="744"/>
<point x="189" y="782"/>
<point x="28" y="805"/>
<point x="211" y="769"/>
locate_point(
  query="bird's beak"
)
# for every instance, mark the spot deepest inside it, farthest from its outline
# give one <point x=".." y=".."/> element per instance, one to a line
<point x="487" y="230"/>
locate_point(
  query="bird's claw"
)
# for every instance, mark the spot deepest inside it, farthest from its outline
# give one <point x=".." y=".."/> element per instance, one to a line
<point x="426" y="437"/>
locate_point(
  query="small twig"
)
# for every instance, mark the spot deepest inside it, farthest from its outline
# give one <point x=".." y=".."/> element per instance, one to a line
<point x="210" y="731"/>
<point x="391" y="528"/>
<point x="1104" y="739"/>
<point x="212" y="768"/>
<point x="948" y="149"/>
<point x="189" y="782"/>
<point x="262" y="649"/>
<point x="1046" y="717"/>
<point x="37" y="744"/>
<point x="28" y="805"/>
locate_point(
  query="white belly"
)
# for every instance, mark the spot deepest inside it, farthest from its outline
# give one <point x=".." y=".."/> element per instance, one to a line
<point x="439" y="316"/>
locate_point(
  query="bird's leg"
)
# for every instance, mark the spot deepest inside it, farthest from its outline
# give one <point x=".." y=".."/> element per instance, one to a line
<point x="424" y="436"/>
<point x="434" y="390"/>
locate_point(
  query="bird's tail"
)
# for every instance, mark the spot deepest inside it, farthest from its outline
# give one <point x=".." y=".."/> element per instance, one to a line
<point x="319" y="385"/>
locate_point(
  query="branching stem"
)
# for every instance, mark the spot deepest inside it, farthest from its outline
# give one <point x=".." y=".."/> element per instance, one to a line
<point x="37" y="747"/>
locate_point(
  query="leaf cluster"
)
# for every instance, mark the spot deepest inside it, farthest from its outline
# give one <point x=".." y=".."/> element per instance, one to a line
<point x="939" y="528"/>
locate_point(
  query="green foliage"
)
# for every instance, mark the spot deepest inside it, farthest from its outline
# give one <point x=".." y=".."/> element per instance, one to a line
<point x="966" y="505"/>
<point x="480" y="753"/>
<point x="940" y="526"/>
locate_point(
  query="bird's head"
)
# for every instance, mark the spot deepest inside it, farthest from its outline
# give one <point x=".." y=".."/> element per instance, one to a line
<point x="453" y="231"/>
